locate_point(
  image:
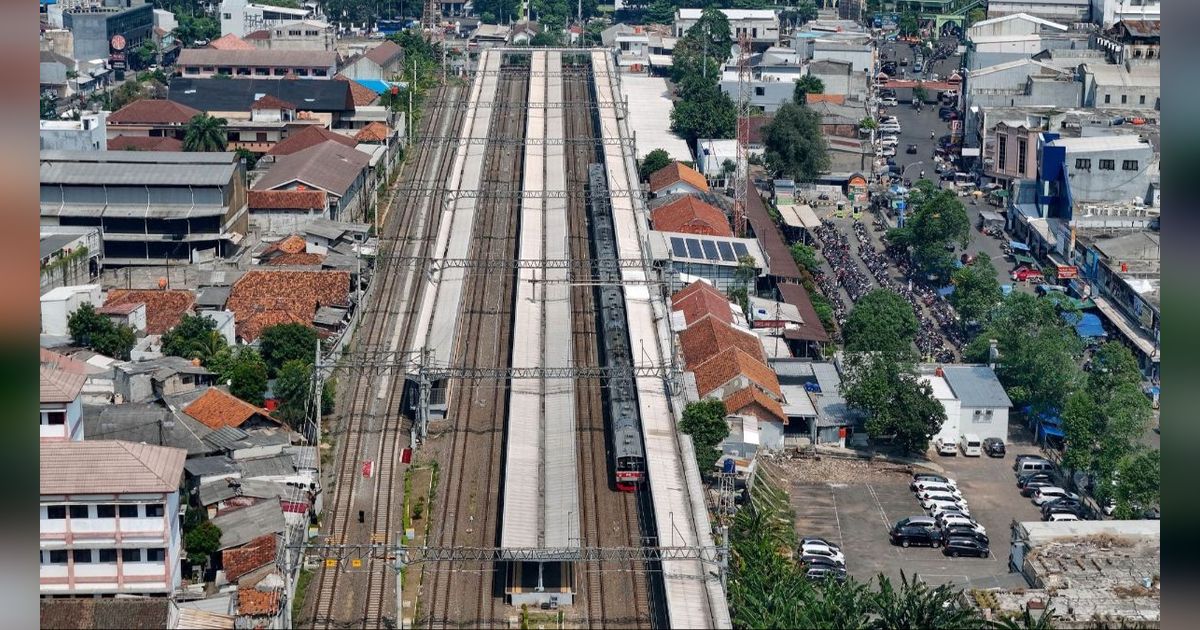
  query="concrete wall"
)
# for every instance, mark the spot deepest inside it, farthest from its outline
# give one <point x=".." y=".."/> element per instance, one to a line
<point x="88" y="134"/>
<point x="769" y="95"/>
<point x="976" y="420"/>
<point x="1096" y="185"/>
<point x="864" y="61"/>
<point x="1061" y="11"/>
<point x="283" y="222"/>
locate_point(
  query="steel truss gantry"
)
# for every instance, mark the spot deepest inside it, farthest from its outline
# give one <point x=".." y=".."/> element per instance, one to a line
<point x="578" y="271"/>
<point x="430" y="188"/>
<point x="622" y="107"/>
<point x="521" y="141"/>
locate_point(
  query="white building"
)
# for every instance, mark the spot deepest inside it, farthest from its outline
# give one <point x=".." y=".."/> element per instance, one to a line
<point x="61" y="405"/>
<point x="1066" y="11"/>
<point x="974" y="400"/>
<point x="1109" y="12"/>
<point x="761" y="25"/>
<point x="58" y="304"/>
<point x="861" y="55"/>
<point x="1013" y="33"/>
<point x="89" y="133"/>
<point x="109" y="518"/>
<point x="241" y="17"/>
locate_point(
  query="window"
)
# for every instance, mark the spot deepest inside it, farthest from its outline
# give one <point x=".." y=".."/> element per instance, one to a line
<point x="1142" y="99"/>
<point x="1083" y="164"/>
<point x="1002" y="160"/>
<point x="154" y="509"/>
<point x="226" y="16"/>
<point x="1108" y="165"/>
<point x="56" y="512"/>
<point x="55" y="417"/>
<point x="294" y="33"/>
<point x="157" y="554"/>
<point x="131" y="555"/>
<point x="78" y="511"/>
<point x="81" y="556"/>
<point x="760" y="91"/>
<point x="312" y="33"/>
<point x="301" y="72"/>
<point x="279" y="72"/>
<point x="127" y="511"/>
<point x="262" y="72"/>
<point x="319" y="72"/>
<point x="1129" y="165"/>
<point x="106" y="511"/>
<point x="1022" y="153"/>
<point x="108" y="555"/>
<point x="260" y="136"/>
<point x="191" y="70"/>
<point x="988" y="413"/>
<point x="1107" y="99"/>
<point x="1124" y="98"/>
<point x="58" y="556"/>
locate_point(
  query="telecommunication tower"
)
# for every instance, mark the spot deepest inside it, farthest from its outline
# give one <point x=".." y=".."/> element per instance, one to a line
<point x="741" y="179"/>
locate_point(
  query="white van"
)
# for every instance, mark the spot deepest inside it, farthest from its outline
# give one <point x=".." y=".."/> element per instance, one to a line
<point x="971" y="445"/>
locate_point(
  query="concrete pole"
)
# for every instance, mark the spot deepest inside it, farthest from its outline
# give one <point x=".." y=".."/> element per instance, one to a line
<point x="399" y="587"/>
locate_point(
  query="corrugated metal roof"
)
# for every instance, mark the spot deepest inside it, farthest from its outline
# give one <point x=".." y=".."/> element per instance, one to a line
<point x="143" y="174"/>
<point x="976" y="386"/>
<point x="244" y="525"/>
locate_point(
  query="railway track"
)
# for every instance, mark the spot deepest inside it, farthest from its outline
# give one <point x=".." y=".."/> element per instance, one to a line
<point x="608" y="518"/>
<point x="370" y="426"/>
<point x="463" y="595"/>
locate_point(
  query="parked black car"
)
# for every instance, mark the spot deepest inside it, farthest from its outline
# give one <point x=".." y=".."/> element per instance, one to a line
<point x="810" y="560"/>
<point x="994" y="447"/>
<point x="1037" y="475"/>
<point x="822" y="573"/>
<point x="962" y="531"/>
<point x="961" y="546"/>
<point x="910" y="535"/>
<point x="1028" y="489"/>
<point x="1065" y="504"/>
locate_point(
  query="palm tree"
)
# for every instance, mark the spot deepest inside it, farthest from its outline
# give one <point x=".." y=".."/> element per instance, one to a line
<point x="1024" y="621"/>
<point x="205" y="133"/>
<point x="916" y="605"/>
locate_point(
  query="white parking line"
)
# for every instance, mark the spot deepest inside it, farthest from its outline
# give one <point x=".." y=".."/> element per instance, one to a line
<point x="882" y="514"/>
<point x="838" y="517"/>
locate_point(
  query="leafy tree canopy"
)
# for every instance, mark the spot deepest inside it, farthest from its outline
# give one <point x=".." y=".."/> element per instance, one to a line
<point x="881" y="321"/>
<point x="705" y="421"/>
<point x="806" y="85"/>
<point x="655" y="160"/>
<point x="899" y="407"/>
<point x="976" y="289"/>
<point x="194" y="337"/>
<point x="1137" y="486"/>
<point x="805" y="256"/>
<point x="247" y="375"/>
<point x="293" y="389"/>
<point x="202" y="542"/>
<point x="97" y="332"/>
<point x="938" y="219"/>
<point x="287" y="342"/>
<point x="794" y="144"/>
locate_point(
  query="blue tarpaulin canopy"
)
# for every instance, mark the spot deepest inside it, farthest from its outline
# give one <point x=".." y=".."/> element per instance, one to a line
<point x="1087" y="325"/>
<point x="1018" y="245"/>
<point x="946" y="290"/>
<point x="1049" y="430"/>
<point x="379" y="87"/>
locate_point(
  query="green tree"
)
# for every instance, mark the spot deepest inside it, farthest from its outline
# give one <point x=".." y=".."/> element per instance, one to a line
<point x="978" y="14"/>
<point x="868" y="123"/>
<point x="917" y="605"/>
<point x="293" y="387"/>
<point x="1137" y="486"/>
<point x="976" y="290"/>
<point x="919" y="92"/>
<point x="908" y="23"/>
<point x="704" y="420"/>
<point x="881" y="321"/>
<point x="938" y="219"/>
<point x="703" y="111"/>
<point x="824" y="310"/>
<point x="703" y="48"/>
<point x="194" y="337"/>
<point x="249" y="156"/>
<point x="202" y="542"/>
<point x="806" y="85"/>
<point x="205" y="133"/>
<point x="747" y="271"/>
<point x="805" y="257"/>
<point x="794" y="144"/>
<point x="660" y="12"/>
<point x="97" y="332"/>
<point x="1100" y="434"/>
<point x="196" y="28"/>
<point x="146" y="54"/>
<point x="1038" y="352"/>
<point x="655" y="160"/>
<point x="328" y="396"/>
<point x="248" y="376"/>
<point x="287" y="342"/>
<point x="1113" y="366"/>
<point x="48" y="107"/>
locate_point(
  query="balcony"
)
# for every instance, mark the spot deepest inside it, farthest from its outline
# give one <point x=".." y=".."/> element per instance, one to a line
<point x="129" y="530"/>
<point x="252" y="146"/>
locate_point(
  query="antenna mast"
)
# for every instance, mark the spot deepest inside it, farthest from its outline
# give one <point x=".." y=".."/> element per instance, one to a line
<point x="742" y="177"/>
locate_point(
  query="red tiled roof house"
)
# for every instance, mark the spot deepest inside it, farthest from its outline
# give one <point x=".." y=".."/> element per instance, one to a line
<point x="691" y="215"/>
<point x="677" y="178"/>
<point x="149" y="118"/>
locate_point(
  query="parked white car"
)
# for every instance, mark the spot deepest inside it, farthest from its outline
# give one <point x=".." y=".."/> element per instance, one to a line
<point x="955" y="519"/>
<point x="888" y="151"/>
<point x="941" y="507"/>
<point x="816" y="549"/>
<point x="1050" y="493"/>
<point x="890" y="129"/>
<point x="889" y="101"/>
<point x="934" y="498"/>
<point x="934" y="486"/>
<point x="889" y="141"/>
<point x="947" y="491"/>
<point x="945" y="446"/>
<point x="1058" y="518"/>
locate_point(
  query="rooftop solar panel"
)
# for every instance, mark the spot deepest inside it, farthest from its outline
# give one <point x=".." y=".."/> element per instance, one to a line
<point x="740" y="249"/>
<point x="726" y="251"/>
<point x="694" y="249"/>
<point x="678" y="248"/>
<point x="710" y="250"/>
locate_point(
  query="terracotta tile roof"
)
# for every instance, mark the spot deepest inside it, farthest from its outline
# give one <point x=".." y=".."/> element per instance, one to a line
<point x="727" y="365"/>
<point x="257" y="553"/>
<point x="309" y="136"/>
<point x="230" y="41"/>
<point x="738" y="401"/>
<point x="259" y="34"/>
<point x="286" y="199"/>
<point x="148" y="111"/>
<point x="361" y="94"/>
<point x="144" y="143"/>
<point x="709" y="335"/>
<point x="59" y="385"/>
<point x="164" y="308"/>
<point x="373" y="132"/>
<point x="810" y="328"/>
<point x="699" y="299"/>
<point x="836" y="99"/>
<point x="119" y="309"/>
<point x="216" y="408"/>
<point x="257" y="603"/>
<point x="108" y="613"/>
<point x="109" y="467"/>
<point x="260" y="299"/>
<point x="676" y="172"/>
<point x="688" y="214"/>
<point x="385" y="53"/>
<point x="290" y="251"/>
<point x="64" y="363"/>
<point x="270" y="102"/>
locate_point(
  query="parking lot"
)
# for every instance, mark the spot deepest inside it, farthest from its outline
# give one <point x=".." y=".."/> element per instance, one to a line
<point x="857" y="514"/>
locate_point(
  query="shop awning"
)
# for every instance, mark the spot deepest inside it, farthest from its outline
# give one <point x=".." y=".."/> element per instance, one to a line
<point x="946" y="290"/>
<point x="1000" y="192"/>
<point x="1087" y="325"/>
<point x="1018" y="245"/>
<point x="1021" y="258"/>
<point x="1145" y="344"/>
<point x="988" y="215"/>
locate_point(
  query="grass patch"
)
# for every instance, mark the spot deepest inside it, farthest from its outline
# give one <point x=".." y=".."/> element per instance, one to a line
<point x="302" y="581"/>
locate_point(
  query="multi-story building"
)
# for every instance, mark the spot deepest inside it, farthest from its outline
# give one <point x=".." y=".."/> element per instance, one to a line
<point x="1062" y="11"/>
<point x="298" y="35"/>
<point x="109" y="518"/>
<point x="206" y="63"/>
<point x="760" y="25"/>
<point x="69" y="256"/>
<point x="1132" y="84"/>
<point x="1131" y="40"/>
<point x="94" y="27"/>
<point x="1123" y="272"/>
<point x="241" y="17"/>
<point x="1109" y="12"/>
<point x="152" y="206"/>
<point x="61" y="404"/>
<point x="384" y="62"/>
